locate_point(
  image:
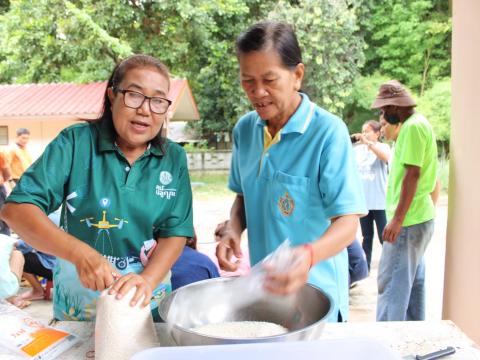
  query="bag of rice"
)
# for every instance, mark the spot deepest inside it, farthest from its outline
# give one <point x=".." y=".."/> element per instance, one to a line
<point x="120" y="329"/>
<point x="26" y="336"/>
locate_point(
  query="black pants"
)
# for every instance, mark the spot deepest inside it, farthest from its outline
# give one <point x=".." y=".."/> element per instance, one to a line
<point x="366" y="223"/>
<point x="35" y="267"/>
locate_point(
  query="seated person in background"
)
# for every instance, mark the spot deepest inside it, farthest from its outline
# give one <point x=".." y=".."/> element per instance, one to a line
<point x="11" y="267"/>
<point x="37" y="264"/>
<point x="192" y="266"/>
<point x="357" y="263"/>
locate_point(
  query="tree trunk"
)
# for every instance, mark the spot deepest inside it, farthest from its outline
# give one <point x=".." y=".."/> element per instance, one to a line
<point x="425" y="71"/>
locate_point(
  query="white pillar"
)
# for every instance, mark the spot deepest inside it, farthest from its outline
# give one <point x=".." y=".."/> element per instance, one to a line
<point x="462" y="263"/>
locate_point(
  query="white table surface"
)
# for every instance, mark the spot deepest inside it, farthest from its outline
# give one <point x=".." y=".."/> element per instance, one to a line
<point x="405" y="338"/>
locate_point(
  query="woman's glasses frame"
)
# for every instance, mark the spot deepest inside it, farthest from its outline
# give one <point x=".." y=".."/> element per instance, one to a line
<point x="134" y="100"/>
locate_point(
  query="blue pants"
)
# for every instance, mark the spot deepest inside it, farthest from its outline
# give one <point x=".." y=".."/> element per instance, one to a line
<point x="366" y="223"/>
<point x="401" y="275"/>
<point x="357" y="264"/>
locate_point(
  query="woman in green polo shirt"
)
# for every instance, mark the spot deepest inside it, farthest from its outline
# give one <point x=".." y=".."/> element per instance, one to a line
<point x="125" y="196"/>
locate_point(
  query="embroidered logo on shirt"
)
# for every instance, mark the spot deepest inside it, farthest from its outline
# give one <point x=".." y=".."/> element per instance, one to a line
<point x="165" y="193"/>
<point x="105" y="202"/>
<point x="165" y="177"/>
<point x="71" y="196"/>
<point x="286" y="204"/>
<point x="104" y="226"/>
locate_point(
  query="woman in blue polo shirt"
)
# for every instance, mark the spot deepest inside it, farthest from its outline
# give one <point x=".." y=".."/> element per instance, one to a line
<point x="125" y="191"/>
<point x="293" y="171"/>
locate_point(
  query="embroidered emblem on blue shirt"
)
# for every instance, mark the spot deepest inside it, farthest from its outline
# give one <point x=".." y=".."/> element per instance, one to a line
<point x="286" y="204"/>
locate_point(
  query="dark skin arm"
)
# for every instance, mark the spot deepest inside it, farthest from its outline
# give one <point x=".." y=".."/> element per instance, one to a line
<point x="37" y="230"/>
<point x="435" y="194"/>
<point x="94" y="271"/>
<point x="409" y="188"/>
<point x="228" y="234"/>
<point x="373" y="147"/>
<point x="337" y="237"/>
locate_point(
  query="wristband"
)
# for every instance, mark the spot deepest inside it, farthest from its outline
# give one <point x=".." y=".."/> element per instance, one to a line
<point x="309" y="247"/>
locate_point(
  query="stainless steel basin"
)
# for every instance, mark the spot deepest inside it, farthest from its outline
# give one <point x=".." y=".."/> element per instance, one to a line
<point x="303" y="313"/>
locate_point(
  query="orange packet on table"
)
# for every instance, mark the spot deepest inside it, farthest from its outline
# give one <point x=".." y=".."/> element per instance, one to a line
<point x="20" y="333"/>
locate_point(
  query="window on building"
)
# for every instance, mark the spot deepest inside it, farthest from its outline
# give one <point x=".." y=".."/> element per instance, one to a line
<point x="3" y="135"/>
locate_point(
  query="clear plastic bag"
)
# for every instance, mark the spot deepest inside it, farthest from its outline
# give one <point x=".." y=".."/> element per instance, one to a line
<point x="221" y="298"/>
<point x="250" y="288"/>
<point x="22" y="334"/>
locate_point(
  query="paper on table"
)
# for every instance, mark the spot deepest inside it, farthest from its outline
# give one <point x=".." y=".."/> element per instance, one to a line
<point x="26" y="336"/>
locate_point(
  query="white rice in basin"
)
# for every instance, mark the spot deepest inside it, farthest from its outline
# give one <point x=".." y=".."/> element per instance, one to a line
<point x="241" y="329"/>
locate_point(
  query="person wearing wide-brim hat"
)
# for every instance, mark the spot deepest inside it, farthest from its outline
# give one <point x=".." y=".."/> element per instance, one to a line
<point x="393" y="93"/>
<point x="409" y="205"/>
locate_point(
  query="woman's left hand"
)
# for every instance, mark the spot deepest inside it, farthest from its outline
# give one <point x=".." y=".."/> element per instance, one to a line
<point x="123" y="285"/>
<point x="289" y="281"/>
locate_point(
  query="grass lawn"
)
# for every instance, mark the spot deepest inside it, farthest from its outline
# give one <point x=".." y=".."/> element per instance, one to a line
<point x="209" y="184"/>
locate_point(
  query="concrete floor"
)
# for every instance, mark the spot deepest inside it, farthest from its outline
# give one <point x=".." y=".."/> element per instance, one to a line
<point x="362" y="297"/>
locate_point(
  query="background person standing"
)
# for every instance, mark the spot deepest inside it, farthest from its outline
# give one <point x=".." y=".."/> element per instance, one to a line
<point x="409" y="204"/>
<point x="19" y="156"/>
<point x="372" y="160"/>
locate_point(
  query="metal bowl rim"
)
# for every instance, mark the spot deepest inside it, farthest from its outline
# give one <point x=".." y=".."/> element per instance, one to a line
<point x="330" y="310"/>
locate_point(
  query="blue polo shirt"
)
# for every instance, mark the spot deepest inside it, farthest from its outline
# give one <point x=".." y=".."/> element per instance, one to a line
<point x="294" y="188"/>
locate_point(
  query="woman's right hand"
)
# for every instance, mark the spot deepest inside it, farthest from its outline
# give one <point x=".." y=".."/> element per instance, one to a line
<point x="228" y="245"/>
<point x="94" y="271"/>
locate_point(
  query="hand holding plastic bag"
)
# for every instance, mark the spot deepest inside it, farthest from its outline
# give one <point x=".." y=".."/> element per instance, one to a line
<point x="286" y="269"/>
<point x="280" y="273"/>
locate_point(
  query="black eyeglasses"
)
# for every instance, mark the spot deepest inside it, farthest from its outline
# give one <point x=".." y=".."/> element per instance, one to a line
<point x="135" y="100"/>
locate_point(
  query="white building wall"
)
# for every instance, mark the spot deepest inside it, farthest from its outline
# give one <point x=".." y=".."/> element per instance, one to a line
<point x="41" y="132"/>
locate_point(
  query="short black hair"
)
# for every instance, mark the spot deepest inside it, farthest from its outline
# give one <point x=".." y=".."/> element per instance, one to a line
<point x="280" y="36"/>
<point x="23" y="131"/>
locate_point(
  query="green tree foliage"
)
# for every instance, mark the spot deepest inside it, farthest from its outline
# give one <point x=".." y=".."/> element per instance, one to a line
<point x="4" y="6"/>
<point x="410" y="40"/>
<point x="195" y="39"/>
<point x="436" y="105"/>
<point x="332" y="49"/>
<point x="365" y="89"/>
<point x="54" y="40"/>
<point x="80" y="40"/>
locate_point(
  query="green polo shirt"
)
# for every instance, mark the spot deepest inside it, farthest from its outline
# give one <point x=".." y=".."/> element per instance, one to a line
<point x="117" y="208"/>
<point x="416" y="145"/>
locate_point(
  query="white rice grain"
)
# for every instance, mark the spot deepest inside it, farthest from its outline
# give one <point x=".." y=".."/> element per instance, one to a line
<point x="241" y="329"/>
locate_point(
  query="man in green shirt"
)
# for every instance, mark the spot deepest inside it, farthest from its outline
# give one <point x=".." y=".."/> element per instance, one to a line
<point x="409" y="205"/>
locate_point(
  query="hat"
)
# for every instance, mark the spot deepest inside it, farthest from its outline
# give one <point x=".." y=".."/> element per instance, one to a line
<point x="393" y="93"/>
